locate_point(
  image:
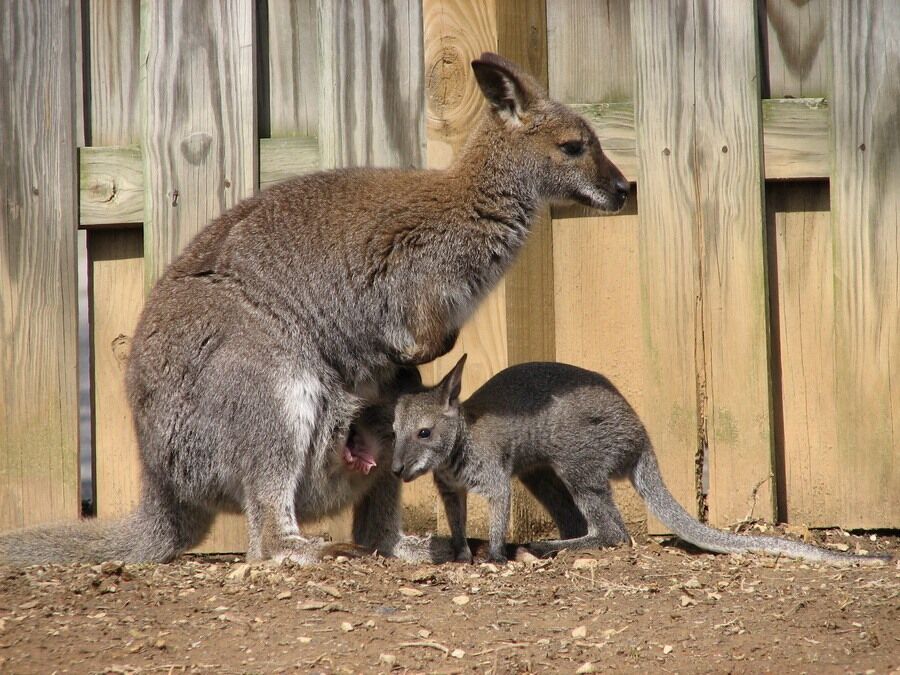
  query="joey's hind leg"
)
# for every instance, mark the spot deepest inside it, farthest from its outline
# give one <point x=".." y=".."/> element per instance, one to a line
<point x="555" y="497"/>
<point x="604" y="522"/>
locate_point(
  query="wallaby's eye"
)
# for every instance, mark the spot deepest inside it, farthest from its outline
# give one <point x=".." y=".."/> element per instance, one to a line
<point x="424" y="433"/>
<point x="572" y="148"/>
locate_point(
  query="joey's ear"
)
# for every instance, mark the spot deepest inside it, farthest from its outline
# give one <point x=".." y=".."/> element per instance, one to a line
<point x="451" y="384"/>
<point x="509" y="92"/>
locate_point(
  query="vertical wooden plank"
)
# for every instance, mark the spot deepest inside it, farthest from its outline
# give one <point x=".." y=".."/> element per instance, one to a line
<point x="598" y="319"/>
<point x="200" y="144"/>
<point x="293" y="68"/>
<point x="597" y="279"/>
<point x="371" y="83"/>
<point x="663" y="43"/>
<point x="813" y="491"/>
<point x="456" y="32"/>
<point x="38" y="303"/>
<point x="728" y="156"/>
<point x="116" y="269"/>
<point x="796" y="37"/>
<point x="115" y="259"/>
<point x="703" y="253"/>
<point x="865" y="221"/>
<point x="606" y="74"/>
<point x="372" y="113"/>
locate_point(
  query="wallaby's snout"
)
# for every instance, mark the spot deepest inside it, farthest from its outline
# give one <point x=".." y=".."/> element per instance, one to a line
<point x="557" y="148"/>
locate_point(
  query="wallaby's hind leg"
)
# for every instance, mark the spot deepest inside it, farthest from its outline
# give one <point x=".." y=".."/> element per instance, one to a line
<point x="554" y="496"/>
<point x="604" y="522"/>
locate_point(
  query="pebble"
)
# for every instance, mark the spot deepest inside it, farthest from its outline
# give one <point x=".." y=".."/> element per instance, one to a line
<point x="387" y="659"/>
<point x="587" y="667"/>
<point x="411" y="592"/>
<point x="238" y="573"/>
<point x="457" y="653"/>
<point x="284" y="595"/>
<point x="579" y="632"/>
<point x="461" y="600"/>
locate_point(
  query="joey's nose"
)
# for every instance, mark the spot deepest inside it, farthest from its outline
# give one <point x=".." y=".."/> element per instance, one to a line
<point x="398" y="470"/>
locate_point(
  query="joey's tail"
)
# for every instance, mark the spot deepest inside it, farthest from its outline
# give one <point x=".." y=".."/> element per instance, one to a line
<point x="649" y="484"/>
<point x="156" y="531"/>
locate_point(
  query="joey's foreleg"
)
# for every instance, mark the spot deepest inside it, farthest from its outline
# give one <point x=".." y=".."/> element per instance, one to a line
<point x="499" y="510"/>
<point x="455" y="508"/>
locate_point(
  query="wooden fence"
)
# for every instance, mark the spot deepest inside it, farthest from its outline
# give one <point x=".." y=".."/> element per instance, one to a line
<point x="748" y="302"/>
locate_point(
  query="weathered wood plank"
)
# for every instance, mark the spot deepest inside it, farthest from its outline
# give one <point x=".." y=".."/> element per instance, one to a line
<point x="732" y="257"/>
<point x="703" y="255"/>
<point x="115" y="32"/>
<point x="597" y="286"/>
<point x="112" y="180"/>
<point x="116" y="269"/>
<point x="865" y="222"/>
<point x="371" y="83"/>
<point x="293" y="68"/>
<point x="200" y="145"/>
<point x="796" y="51"/>
<point x="812" y="491"/>
<point x="456" y="32"/>
<point x="111" y="185"/>
<point x="38" y="302"/>
<point x="663" y="43"/>
<point x="605" y="73"/>
<point x="598" y="322"/>
<point x="281" y="158"/>
<point x="795" y="140"/>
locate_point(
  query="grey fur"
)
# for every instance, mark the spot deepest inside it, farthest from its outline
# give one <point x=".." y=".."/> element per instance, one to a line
<point x="565" y="432"/>
<point x="290" y="314"/>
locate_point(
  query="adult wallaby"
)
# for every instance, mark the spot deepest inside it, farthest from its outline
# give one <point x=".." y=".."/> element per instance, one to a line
<point x="291" y="312"/>
<point x="564" y="431"/>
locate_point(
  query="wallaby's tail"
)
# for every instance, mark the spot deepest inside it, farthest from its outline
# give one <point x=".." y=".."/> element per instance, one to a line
<point x="649" y="484"/>
<point x="156" y="531"/>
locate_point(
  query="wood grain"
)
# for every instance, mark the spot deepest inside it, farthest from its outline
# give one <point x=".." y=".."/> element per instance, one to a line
<point x="728" y="175"/>
<point x="293" y="68"/>
<point x="865" y="222"/>
<point x="795" y="138"/>
<point x="702" y="254"/>
<point x="281" y="158"/>
<point x="116" y="269"/>
<point x="372" y="84"/>
<point x="598" y="319"/>
<point x="796" y="48"/>
<point x="111" y="185"/>
<point x="38" y="303"/>
<point x="200" y="144"/>
<point x="813" y="491"/>
<point x="112" y="178"/>
<point x="590" y="41"/>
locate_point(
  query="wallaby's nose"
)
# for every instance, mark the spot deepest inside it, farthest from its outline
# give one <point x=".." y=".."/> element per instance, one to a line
<point x="398" y="470"/>
<point x="622" y="188"/>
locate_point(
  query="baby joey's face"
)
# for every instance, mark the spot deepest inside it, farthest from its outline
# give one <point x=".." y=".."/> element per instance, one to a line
<point x="425" y="432"/>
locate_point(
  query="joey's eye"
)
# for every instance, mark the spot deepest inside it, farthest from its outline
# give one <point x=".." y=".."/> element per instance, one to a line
<point x="572" y="148"/>
<point x="424" y="433"/>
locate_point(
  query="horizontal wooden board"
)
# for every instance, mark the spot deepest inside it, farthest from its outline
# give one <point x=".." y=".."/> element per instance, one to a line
<point x="795" y="137"/>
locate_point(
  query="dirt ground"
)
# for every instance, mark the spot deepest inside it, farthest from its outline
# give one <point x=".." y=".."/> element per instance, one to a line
<point x="649" y="608"/>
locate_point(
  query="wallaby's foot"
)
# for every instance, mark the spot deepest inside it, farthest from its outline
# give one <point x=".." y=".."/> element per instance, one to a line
<point x="299" y="550"/>
<point x="463" y="555"/>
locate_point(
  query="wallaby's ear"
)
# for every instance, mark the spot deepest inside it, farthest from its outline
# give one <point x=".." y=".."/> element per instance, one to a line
<point x="451" y="385"/>
<point x="509" y="92"/>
